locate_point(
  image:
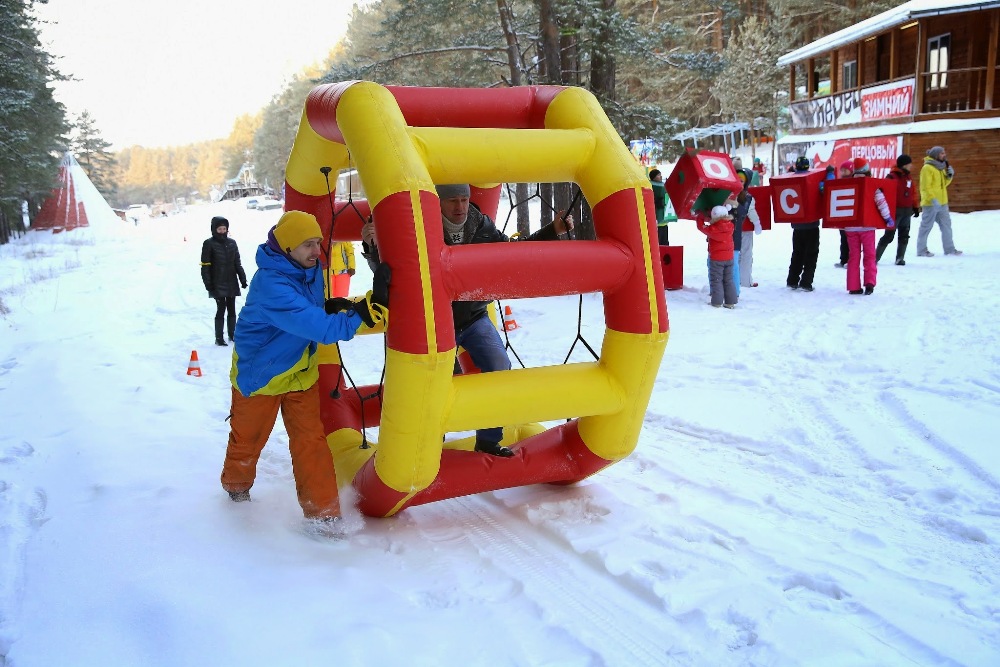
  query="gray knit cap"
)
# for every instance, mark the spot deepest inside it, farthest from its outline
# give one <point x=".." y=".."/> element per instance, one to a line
<point x="453" y="190"/>
<point x="936" y="152"/>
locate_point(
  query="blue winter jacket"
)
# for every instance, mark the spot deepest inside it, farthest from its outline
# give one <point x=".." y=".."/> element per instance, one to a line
<point x="279" y="327"/>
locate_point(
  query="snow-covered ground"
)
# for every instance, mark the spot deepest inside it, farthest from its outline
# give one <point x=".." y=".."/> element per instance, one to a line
<point x="814" y="483"/>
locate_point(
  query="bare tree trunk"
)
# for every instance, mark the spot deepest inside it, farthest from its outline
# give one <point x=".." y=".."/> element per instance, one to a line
<point x="602" y="62"/>
<point x="586" y="229"/>
<point x="523" y="214"/>
<point x="602" y="84"/>
<point x="513" y="50"/>
<point x="545" y="192"/>
<point x="549" y="46"/>
<point x="569" y="57"/>
<point x="562" y="195"/>
<point x="516" y="66"/>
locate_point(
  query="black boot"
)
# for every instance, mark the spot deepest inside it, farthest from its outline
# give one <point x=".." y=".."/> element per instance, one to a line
<point x="493" y="449"/>
<point x="239" y="496"/>
<point x="221" y="341"/>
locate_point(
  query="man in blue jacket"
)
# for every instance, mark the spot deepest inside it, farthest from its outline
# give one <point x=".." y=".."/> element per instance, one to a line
<point x="275" y="366"/>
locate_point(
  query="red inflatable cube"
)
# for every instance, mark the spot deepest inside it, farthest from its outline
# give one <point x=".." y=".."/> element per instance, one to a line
<point x="701" y="180"/>
<point x="762" y="201"/>
<point x="796" y="196"/>
<point x="672" y="264"/>
<point x="850" y="202"/>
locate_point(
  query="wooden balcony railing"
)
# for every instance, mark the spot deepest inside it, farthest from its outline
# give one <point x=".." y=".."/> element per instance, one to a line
<point x="955" y="90"/>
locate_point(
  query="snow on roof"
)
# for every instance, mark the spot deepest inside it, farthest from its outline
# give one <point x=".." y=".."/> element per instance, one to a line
<point x="881" y="22"/>
<point x="918" y="127"/>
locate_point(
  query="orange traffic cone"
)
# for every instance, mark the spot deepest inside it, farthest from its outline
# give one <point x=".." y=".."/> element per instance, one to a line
<point x="194" y="368"/>
<point x="509" y="323"/>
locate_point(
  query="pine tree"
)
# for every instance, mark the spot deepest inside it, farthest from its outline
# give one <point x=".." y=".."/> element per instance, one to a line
<point x="91" y="152"/>
<point x="750" y="87"/>
<point x="32" y="123"/>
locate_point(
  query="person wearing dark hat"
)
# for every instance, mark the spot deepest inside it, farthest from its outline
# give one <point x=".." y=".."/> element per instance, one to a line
<point x="904" y="210"/>
<point x="935" y="177"/>
<point x="275" y="367"/>
<point x="861" y="240"/>
<point x="465" y="224"/>
<point x="223" y="275"/>
<point x="805" y="245"/>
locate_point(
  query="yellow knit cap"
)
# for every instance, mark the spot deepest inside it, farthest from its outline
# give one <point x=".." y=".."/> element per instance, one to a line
<point x="294" y="228"/>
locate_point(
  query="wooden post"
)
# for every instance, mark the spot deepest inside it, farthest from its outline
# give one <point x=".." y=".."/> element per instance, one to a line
<point x="861" y="63"/>
<point x="893" y="48"/>
<point x="791" y="84"/>
<point x="918" y="85"/>
<point x="836" y="76"/>
<point x="810" y="78"/>
<point x="991" y="58"/>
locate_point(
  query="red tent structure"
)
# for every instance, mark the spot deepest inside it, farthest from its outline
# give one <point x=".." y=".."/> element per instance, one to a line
<point x="74" y="201"/>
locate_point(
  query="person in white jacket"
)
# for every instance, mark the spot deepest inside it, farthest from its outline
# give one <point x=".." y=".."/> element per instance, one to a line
<point x="744" y="207"/>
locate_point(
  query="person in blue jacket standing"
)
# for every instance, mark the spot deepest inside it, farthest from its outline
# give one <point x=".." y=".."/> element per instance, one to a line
<point x="275" y="366"/>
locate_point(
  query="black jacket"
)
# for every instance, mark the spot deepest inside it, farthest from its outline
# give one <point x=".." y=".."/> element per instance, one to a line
<point x="221" y="269"/>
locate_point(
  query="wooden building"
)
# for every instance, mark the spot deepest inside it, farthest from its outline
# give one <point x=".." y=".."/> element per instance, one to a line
<point x="920" y="75"/>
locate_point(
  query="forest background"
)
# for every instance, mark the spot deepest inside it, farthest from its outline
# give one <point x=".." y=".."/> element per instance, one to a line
<point x="657" y="68"/>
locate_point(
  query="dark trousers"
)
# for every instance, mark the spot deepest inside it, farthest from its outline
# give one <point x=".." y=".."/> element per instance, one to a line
<point x="482" y="341"/>
<point x="225" y="306"/>
<point x="845" y="251"/>
<point x="661" y="235"/>
<point x="903" y="216"/>
<point x="805" y="251"/>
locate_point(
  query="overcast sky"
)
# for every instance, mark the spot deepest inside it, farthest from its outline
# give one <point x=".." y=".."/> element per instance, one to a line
<point x="180" y="71"/>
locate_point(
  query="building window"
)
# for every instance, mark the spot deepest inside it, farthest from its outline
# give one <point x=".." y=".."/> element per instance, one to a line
<point x="938" y="53"/>
<point x="850" y="79"/>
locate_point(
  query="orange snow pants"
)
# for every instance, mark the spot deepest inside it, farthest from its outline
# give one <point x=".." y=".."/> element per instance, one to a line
<point x="252" y="420"/>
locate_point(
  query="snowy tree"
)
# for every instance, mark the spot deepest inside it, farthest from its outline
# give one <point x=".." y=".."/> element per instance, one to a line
<point x="32" y="123"/>
<point x="92" y="153"/>
<point x="750" y="86"/>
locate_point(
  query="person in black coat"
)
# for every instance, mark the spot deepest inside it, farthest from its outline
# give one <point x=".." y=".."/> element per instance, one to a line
<point x="223" y="275"/>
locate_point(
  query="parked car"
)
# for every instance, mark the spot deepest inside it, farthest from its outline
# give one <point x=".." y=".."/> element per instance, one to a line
<point x="268" y="204"/>
<point x="252" y="203"/>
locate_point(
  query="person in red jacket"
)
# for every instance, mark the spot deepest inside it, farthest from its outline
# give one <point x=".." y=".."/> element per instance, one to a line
<point x="719" y="230"/>
<point x="905" y="209"/>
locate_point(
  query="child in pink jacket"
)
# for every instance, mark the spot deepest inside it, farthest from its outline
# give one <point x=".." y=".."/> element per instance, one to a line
<point x="861" y="240"/>
<point x="719" y="230"/>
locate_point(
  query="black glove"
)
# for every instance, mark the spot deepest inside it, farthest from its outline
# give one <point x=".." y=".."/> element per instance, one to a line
<point x="916" y="211"/>
<point x="337" y="304"/>
<point x="243" y="285"/>
<point x="374" y="308"/>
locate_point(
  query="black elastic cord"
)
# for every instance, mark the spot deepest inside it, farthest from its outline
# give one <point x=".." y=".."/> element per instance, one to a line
<point x="335" y="394"/>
